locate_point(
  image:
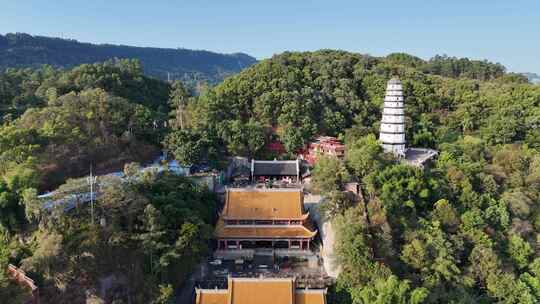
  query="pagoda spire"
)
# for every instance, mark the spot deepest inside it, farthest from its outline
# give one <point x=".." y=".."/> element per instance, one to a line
<point x="392" y="132"/>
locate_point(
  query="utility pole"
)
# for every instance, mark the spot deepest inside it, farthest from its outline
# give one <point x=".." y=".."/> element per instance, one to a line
<point x="91" y="180"/>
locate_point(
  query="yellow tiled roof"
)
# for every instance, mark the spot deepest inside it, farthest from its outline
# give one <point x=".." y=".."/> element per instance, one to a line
<point x="264" y="204"/>
<point x="208" y="296"/>
<point x="260" y="291"/>
<point x="309" y="297"/>
<point x="266" y="232"/>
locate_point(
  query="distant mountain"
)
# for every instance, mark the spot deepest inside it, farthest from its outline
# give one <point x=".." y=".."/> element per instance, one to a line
<point x="23" y="50"/>
<point x="533" y="77"/>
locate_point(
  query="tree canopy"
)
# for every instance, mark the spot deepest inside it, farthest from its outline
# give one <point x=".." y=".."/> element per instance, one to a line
<point x="20" y="50"/>
<point x="464" y="229"/>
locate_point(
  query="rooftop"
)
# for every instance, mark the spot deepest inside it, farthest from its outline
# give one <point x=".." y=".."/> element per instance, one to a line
<point x="268" y="291"/>
<point x="212" y="296"/>
<point x="419" y="156"/>
<point x="264" y="204"/>
<point x="328" y="141"/>
<point x="260" y="291"/>
<point x="263" y="231"/>
<point x="275" y="167"/>
<point x="303" y="296"/>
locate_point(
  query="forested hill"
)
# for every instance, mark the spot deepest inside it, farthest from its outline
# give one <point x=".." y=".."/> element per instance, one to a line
<point x="295" y="96"/>
<point x="464" y="230"/>
<point x="23" y="50"/>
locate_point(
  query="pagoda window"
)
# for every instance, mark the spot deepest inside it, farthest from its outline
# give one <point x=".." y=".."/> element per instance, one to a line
<point x="245" y="222"/>
<point x="281" y="222"/>
<point x="296" y="222"/>
<point x="231" y="222"/>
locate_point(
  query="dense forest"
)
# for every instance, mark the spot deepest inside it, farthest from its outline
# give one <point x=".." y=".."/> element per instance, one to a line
<point x="294" y="96"/>
<point x="463" y="230"/>
<point x="152" y="230"/>
<point x="59" y="122"/>
<point x="55" y="124"/>
<point x="190" y="66"/>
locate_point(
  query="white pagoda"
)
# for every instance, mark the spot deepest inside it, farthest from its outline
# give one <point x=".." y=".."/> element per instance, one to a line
<point x="392" y="132"/>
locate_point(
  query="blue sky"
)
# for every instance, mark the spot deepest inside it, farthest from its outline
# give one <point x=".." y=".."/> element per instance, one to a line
<point x="502" y="31"/>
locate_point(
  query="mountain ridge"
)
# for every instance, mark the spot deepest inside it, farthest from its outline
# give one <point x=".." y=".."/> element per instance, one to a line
<point x="21" y="50"/>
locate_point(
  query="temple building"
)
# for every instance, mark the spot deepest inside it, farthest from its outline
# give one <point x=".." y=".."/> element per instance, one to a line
<point x="323" y="145"/>
<point x="260" y="291"/>
<point x="275" y="170"/>
<point x="264" y="218"/>
<point x="392" y="130"/>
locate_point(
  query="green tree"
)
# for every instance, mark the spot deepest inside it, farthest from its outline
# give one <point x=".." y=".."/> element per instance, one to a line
<point x="484" y="262"/>
<point x="166" y="295"/>
<point x="336" y="202"/>
<point x="389" y="290"/>
<point x="152" y="238"/>
<point x="245" y="139"/>
<point x="519" y="250"/>
<point x="446" y="214"/>
<point x="507" y="289"/>
<point x="329" y="174"/>
<point x="178" y="100"/>
<point x="365" y="156"/>
<point x="187" y="146"/>
<point x="433" y="254"/>
<point x="402" y="187"/>
<point x="354" y="250"/>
